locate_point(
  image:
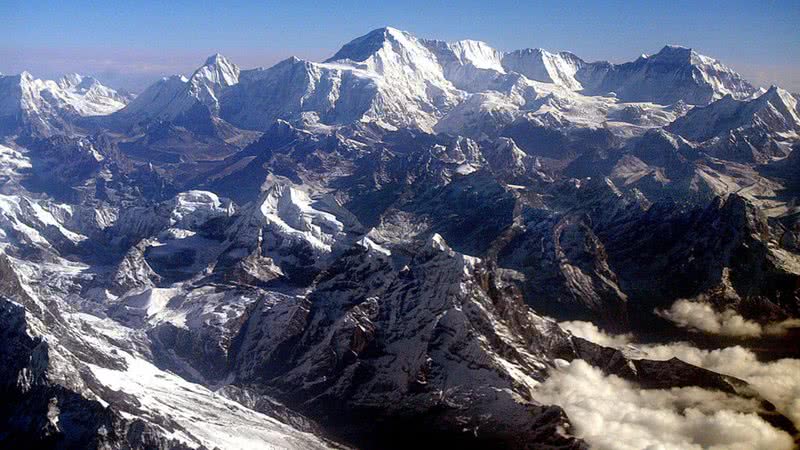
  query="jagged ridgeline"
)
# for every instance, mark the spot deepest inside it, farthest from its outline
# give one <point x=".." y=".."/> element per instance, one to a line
<point x="412" y="243"/>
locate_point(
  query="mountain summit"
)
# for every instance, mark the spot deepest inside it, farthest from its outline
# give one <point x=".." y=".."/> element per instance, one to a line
<point x="395" y="79"/>
<point x="673" y="74"/>
<point x="175" y="96"/>
<point x="45" y="105"/>
<point x="414" y="243"/>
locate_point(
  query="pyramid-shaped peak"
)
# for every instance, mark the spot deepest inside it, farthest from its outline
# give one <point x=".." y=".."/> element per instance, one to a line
<point x="217" y="70"/>
<point x="362" y="47"/>
<point x="674" y="53"/>
<point x="677" y="54"/>
<point x="387" y="32"/>
<point x="782" y="96"/>
<point x="217" y="59"/>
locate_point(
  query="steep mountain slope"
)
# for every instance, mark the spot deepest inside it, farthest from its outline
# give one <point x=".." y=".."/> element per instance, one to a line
<point x="674" y="73"/>
<point x="44" y="106"/>
<point x="367" y="251"/>
<point x="752" y="130"/>
<point x="541" y="65"/>
<point x="387" y="76"/>
<point x="422" y="362"/>
<point x="176" y="97"/>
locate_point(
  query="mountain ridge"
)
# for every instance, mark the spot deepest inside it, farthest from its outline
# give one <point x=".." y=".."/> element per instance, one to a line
<point x="375" y="69"/>
<point x="412" y="243"/>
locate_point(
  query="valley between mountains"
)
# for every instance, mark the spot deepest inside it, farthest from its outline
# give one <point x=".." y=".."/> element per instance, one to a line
<point x="411" y="244"/>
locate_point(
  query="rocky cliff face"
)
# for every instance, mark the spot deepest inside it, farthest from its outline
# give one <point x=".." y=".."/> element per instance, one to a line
<point x="319" y="255"/>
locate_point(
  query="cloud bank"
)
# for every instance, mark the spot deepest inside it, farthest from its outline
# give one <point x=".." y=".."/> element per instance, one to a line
<point x="612" y="413"/>
<point x="700" y="316"/>
<point x="777" y="381"/>
<point x="591" y="332"/>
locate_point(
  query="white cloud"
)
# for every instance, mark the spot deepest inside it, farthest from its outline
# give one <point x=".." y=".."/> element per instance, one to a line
<point x="703" y="317"/>
<point x="612" y="413"/>
<point x="591" y="332"/>
<point x="777" y="381"/>
<point x="584" y="392"/>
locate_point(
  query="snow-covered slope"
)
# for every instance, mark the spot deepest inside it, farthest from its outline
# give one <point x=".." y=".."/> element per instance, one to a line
<point x="775" y="111"/>
<point x="674" y="73"/>
<point x="364" y="249"/>
<point x="471" y="66"/>
<point x="285" y="226"/>
<point x="176" y="96"/>
<point x="387" y="76"/>
<point x="163" y="394"/>
<point x="295" y="89"/>
<point x="158" y="98"/>
<point x="47" y="106"/>
<point x="541" y="65"/>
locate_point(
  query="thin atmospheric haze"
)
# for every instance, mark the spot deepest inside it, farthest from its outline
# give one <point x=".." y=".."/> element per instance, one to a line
<point x="351" y="225"/>
<point x="130" y="44"/>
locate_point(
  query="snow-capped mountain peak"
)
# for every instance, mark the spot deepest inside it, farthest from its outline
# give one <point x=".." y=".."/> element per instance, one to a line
<point x="361" y="48"/>
<point x="208" y="82"/>
<point x="478" y="53"/>
<point x="392" y="53"/>
<point x="45" y="105"/>
<point x="158" y="100"/>
<point x="219" y="70"/>
<point x="540" y="65"/>
<point x="674" y="73"/>
<point x="676" y="54"/>
<point x="172" y="97"/>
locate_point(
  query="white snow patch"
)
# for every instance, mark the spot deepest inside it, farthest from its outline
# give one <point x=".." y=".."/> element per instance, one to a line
<point x="209" y="419"/>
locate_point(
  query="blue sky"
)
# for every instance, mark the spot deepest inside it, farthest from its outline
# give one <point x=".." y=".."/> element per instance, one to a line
<point x="130" y="44"/>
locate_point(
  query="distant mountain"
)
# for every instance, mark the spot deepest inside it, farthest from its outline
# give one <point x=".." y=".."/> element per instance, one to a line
<point x="774" y="111"/>
<point x="758" y="129"/>
<point x="47" y="106"/>
<point x="673" y="74"/>
<point x="395" y="79"/>
<point x="174" y="97"/>
<point x="387" y="249"/>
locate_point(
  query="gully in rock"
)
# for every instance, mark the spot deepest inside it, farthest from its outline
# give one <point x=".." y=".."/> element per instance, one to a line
<point x="411" y="243"/>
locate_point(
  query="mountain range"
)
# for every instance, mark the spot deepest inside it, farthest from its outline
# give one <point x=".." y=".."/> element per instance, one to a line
<point x="414" y="242"/>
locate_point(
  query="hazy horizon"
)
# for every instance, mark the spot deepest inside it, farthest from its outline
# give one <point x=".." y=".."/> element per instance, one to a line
<point x="132" y="45"/>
